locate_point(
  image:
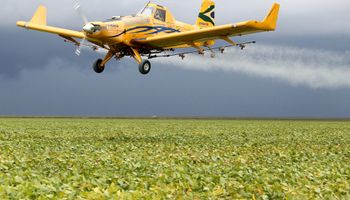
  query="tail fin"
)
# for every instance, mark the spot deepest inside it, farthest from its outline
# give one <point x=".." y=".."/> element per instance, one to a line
<point x="206" y="17"/>
<point x="39" y="16"/>
<point x="271" y="19"/>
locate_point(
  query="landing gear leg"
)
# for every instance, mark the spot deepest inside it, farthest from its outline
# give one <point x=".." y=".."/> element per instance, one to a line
<point x="144" y="65"/>
<point x="212" y="55"/>
<point x="99" y="65"/>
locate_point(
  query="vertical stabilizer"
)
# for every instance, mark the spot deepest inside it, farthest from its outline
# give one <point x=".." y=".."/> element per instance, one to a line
<point x="206" y="17"/>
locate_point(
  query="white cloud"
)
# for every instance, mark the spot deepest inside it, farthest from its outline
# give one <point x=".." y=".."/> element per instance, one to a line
<point x="307" y="67"/>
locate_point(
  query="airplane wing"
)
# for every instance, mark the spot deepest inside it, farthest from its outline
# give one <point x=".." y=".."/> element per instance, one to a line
<point x="38" y="22"/>
<point x="217" y="32"/>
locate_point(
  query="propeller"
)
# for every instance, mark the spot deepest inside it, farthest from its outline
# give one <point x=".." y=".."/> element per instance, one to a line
<point x="80" y="46"/>
<point x="77" y="8"/>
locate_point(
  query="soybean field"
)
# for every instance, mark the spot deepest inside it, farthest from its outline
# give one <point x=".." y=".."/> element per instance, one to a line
<point x="57" y="158"/>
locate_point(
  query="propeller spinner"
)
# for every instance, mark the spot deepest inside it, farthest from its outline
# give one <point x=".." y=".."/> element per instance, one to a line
<point x="91" y="28"/>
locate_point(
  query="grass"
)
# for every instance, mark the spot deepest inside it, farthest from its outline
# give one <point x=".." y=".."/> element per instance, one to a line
<point x="173" y="159"/>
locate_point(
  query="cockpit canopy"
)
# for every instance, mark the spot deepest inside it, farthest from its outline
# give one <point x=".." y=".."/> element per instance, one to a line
<point x="157" y="11"/>
<point x="147" y="11"/>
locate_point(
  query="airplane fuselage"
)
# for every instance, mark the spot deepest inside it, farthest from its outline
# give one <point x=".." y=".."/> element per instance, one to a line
<point x="119" y="32"/>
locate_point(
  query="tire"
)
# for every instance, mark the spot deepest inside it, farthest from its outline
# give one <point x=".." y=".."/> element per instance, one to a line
<point x="145" y="67"/>
<point x="97" y="66"/>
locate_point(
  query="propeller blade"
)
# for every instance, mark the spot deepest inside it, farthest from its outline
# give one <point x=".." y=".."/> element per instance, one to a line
<point x="77" y="8"/>
<point x="79" y="48"/>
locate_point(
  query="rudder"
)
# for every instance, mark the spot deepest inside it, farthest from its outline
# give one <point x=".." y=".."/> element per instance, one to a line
<point x="206" y="17"/>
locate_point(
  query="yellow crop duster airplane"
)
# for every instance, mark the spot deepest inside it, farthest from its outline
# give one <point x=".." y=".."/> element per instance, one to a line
<point x="152" y="32"/>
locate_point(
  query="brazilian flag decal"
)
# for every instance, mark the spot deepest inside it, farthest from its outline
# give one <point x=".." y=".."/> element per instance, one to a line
<point x="208" y="15"/>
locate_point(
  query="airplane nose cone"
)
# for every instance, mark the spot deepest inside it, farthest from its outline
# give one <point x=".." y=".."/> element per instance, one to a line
<point x="89" y="28"/>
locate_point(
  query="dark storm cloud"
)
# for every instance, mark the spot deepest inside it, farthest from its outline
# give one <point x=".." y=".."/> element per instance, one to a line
<point x="60" y="89"/>
<point x="24" y="49"/>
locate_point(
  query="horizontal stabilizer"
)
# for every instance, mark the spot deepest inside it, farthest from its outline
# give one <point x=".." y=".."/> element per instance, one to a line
<point x="38" y="23"/>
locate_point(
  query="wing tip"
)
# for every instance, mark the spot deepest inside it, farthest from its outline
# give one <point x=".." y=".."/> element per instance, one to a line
<point x="21" y="23"/>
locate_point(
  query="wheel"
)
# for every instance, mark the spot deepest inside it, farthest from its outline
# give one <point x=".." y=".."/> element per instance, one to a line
<point x="97" y="66"/>
<point x="145" y="67"/>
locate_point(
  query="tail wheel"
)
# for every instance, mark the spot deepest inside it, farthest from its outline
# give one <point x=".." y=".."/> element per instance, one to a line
<point x="98" y="68"/>
<point x="145" y="67"/>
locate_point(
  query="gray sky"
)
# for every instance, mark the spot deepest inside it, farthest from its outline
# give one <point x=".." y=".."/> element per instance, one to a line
<point x="299" y="70"/>
<point x="297" y="16"/>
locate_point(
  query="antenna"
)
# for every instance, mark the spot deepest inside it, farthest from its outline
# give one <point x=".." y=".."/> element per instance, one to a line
<point x="143" y="8"/>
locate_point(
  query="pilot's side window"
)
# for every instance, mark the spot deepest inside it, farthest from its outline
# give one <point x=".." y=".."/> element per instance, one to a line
<point x="160" y="15"/>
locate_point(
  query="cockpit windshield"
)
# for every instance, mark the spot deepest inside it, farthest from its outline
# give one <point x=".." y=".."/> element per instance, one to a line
<point x="147" y="11"/>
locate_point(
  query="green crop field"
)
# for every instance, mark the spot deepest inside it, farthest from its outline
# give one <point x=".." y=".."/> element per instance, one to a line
<point x="173" y="159"/>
